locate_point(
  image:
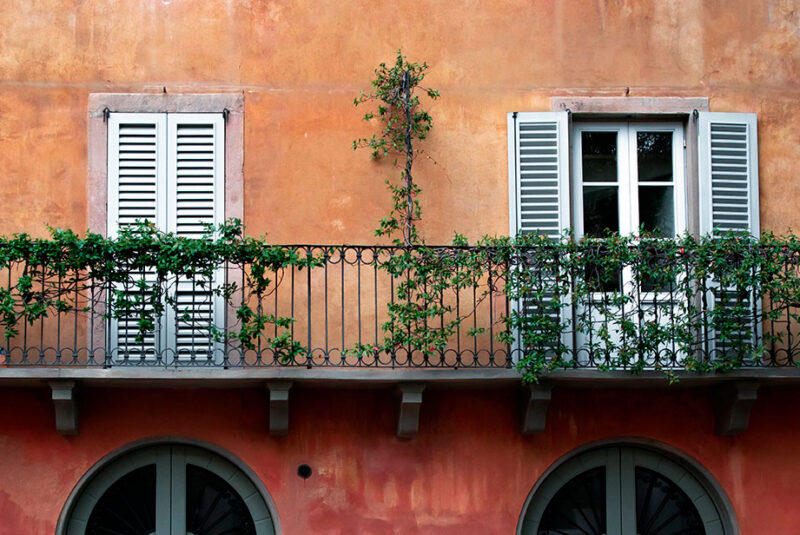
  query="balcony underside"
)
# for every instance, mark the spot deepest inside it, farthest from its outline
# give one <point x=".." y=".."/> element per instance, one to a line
<point x="379" y="378"/>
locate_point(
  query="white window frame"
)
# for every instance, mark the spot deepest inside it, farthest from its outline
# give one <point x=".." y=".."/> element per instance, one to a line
<point x="627" y="172"/>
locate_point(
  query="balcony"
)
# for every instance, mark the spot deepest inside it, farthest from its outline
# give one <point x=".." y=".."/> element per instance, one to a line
<point x="151" y="302"/>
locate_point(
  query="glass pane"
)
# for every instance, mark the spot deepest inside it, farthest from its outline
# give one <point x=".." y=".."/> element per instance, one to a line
<point x="128" y="507"/>
<point x="654" y="153"/>
<point x="579" y="507"/>
<point x="600" y="210"/>
<point x="657" y="210"/>
<point x="599" y="155"/>
<point x="213" y="507"/>
<point x="662" y="508"/>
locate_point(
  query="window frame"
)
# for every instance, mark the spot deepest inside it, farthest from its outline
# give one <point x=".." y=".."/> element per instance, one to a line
<point x="653" y="109"/>
<point x="627" y="171"/>
<point x="159" y="451"/>
<point x="231" y="105"/>
<point x="657" y="454"/>
<point x="101" y="105"/>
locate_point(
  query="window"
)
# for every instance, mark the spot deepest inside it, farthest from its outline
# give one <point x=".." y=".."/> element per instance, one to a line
<point x="628" y="176"/>
<point x="168" y="169"/>
<point x="691" y="171"/>
<point x="169" y="489"/>
<point x="626" y="490"/>
<point x="549" y="154"/>
<point x="176" y="161"/>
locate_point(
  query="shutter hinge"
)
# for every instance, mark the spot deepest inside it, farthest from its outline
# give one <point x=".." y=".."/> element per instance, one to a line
<point x="514" y="115"/>
<point x="106" y="114"/>
<point x="225" y="114"/>
<point x="695" y="114"/>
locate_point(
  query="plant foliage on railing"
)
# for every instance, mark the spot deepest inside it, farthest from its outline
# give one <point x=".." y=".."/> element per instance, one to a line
<point x="68" y="273"/>
<point x="713" y="303"/>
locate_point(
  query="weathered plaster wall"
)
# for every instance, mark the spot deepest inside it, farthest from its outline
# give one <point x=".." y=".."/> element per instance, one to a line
<point x="300" y="63"/>
<point x="469" y="471"/>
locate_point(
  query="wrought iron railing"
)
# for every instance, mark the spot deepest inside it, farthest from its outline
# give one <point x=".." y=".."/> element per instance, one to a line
<point x="570" y="306"/>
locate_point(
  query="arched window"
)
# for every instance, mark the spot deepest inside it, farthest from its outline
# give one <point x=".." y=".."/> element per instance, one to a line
<point x="169" y="489"/>
<point x="626" y="490"/>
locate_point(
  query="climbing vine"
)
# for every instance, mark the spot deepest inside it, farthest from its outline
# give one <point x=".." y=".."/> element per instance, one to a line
<point x="134" y="277"/>
<point x="396" y="91"/>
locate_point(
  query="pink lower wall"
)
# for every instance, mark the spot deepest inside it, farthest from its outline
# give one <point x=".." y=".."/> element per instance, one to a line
<point x="468" y="472"/>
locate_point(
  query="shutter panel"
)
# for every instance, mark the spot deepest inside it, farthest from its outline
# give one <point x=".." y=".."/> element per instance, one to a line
<point x="539" y="178"/>
<point x="728" y="176"/>
<point x="136" y="188"/>
<point x="728" y="166"/>
<point x="196" y="145"/>
<point x="539" y="193"/>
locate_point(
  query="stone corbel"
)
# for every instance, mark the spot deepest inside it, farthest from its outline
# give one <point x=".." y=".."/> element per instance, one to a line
<point x="534" y="408"/>
<point x="732" y="405"/>
<point x="410" y="396"/>
<point x="66" y="406"/>
<point x="279" y="407"/>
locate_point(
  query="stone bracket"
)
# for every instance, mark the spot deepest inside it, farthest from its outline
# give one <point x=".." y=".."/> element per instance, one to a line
<point x="66" y="406"/>
<point x="410" y="395"/>
<point x="534" y="408"/>
<point x="279" y="407"/>
<point x="732" y="404"/>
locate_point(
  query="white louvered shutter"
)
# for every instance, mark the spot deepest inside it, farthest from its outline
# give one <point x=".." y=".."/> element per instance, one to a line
<point x="539" y="184"/>
<point x="196" y="170"/>
<point x="728" y="166"/>
<point x="728" y="176"/>
<point x="137" y="172"/>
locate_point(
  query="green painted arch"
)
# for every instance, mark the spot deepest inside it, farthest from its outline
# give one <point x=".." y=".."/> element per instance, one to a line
<point x="695" y="481"/>
<point x="167" y="454"/>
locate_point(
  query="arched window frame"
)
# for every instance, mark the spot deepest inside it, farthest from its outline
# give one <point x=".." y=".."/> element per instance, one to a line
<point x="150" y="451"/>
<point x="661" y="458"/>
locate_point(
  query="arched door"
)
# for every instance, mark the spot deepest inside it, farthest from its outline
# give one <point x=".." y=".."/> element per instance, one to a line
<point x="621" y="490"/>
<point x="170" y="490"/>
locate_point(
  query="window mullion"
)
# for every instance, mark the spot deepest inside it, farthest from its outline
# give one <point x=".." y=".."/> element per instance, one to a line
<point x="178" y="491"/>
<point x="629" y="181"/>
<point x="613" y="496"/>
<point x="627" y="491"/>
<point x="163" y="491"/>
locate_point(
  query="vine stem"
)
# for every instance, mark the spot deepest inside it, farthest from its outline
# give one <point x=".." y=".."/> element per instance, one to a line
<point x="408" y="179"/>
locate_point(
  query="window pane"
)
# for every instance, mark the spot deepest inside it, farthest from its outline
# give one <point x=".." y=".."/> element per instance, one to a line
<point x="128" y="507"/>
<point x="657" y="209"/>
<point x="600" y="210"/>
<point x="579" y="507"/>
<point x="599" y="155"/>
<point x="213" y="507"/>
<point x="654" y="154"/>
<point x="662" y="507"/>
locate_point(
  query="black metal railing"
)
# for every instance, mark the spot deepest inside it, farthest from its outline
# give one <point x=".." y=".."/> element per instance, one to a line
<point x="579" y="307"/>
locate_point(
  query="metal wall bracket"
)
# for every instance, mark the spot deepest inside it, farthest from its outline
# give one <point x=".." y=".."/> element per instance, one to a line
<point x="66" y="406"/>
<point x="410" y="395"/>
<point x="279" y="407"/>
<point x="732" y="405"/>
<point x="534" y="408"/>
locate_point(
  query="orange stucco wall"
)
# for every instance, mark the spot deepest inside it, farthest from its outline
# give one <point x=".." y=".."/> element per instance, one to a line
<point x="468" y="471"/>
<point x="300" y="63"/>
